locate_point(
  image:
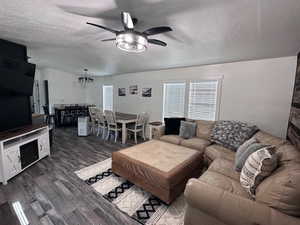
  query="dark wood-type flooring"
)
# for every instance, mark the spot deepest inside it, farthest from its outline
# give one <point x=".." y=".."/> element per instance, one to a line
<point x="51" y="194"/>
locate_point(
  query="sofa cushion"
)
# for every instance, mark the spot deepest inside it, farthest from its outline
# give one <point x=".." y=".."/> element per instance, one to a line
<point x="204" y="128"/>
<point x="232" y="134"/>
<point x="288" y="153"/>
<point x="281" y="190"/>
<point x="172" y="125"/>
<point x="173" y="139"/>
<point x="225" y="167"/>
<point x="223" y="182"/>
<point x="269" y="139"/>
<point x="187" y="129"/>
<point x="215" y="151"/>
<point x="258" y="166"/>
<point x="195" y="143"/>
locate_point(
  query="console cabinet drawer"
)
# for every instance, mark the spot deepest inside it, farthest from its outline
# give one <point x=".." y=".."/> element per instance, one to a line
<point x="12" y="163"/>
<point x="44" y="145"/>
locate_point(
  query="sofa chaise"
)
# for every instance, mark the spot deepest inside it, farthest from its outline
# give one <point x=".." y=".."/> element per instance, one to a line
<point x="217" y="198"/>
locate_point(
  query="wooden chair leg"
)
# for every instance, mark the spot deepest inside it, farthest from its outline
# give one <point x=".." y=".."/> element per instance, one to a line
<point x="143" y="133"/>
<point x="135" y="137"/>
<point x="103" y="132"/>
<point x="92" y="129"/>
<point x="107" y="136"/>
<point x="98" y="130"/>
<point x="116" y="135"/>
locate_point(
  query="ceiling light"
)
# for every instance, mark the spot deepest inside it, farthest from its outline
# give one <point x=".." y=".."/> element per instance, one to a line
<point x="85" y="78"/>
<point x="131" y="42"/>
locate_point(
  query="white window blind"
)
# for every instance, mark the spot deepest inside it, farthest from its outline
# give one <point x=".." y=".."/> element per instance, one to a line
<point x="203" y="100"/>
<point x="174" y="95"/>
<point x="107" y="97"/>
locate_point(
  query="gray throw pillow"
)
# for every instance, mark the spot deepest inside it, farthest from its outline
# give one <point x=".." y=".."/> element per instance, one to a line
<point x="244" y="147"/>
<point x="187" y="129"/>
<point x="243" y="156"/>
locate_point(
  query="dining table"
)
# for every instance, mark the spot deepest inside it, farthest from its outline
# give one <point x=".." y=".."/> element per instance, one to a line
<point x="77" y="110"/>
<point x="124" y="119"/>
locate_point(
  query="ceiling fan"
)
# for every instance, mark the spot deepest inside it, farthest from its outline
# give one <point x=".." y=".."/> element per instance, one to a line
<point x="131" y="40"/>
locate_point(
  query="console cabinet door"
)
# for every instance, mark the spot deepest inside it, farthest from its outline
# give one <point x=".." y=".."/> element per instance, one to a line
<point x="44" y="145"/>
<point x="12" y="161"/>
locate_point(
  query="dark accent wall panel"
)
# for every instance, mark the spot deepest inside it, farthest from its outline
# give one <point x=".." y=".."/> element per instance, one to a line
<point x="293" y="133"/>
<point x="13" y="50"/>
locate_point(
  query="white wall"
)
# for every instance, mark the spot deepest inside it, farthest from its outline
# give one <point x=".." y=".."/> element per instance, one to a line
<point x="64" y="87"/>
<point x="258" y="92"/>
<point x="94" y="92"/>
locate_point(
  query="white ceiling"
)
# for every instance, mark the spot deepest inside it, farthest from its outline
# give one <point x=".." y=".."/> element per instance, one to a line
<point x="205" y="32"/>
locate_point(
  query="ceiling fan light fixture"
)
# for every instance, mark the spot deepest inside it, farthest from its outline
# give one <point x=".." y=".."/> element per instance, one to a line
<point x="131" y="42"/>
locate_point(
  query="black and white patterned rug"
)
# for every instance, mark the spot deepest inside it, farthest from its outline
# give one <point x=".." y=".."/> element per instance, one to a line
<point x="130" y="199"/>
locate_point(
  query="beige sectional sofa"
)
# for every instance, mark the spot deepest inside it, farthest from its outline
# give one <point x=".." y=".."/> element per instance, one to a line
<point x="200" y="142"/>
<point x="217" y="198"/>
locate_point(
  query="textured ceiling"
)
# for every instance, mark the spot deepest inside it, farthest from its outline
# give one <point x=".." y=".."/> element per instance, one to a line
<point x="205" y="32"/>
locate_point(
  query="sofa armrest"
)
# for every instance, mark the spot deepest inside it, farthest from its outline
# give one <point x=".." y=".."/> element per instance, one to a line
<point x="158" y="132"/>
<point x="232" y="209"/>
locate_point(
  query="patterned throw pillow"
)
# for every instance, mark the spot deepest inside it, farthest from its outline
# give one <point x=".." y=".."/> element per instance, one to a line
<point x="232" y="134"/>
<point x="187" y="129"/>
<point x="258" y="166"/>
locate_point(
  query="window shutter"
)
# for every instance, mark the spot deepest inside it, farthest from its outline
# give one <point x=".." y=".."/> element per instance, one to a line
<point x="174" y="95"/>
<point x="203" y="100"/>
<point x="107" y="97"/>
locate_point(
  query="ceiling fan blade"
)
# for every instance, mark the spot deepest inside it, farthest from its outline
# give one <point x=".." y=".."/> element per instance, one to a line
<point x="104" y="28"/>
<point x="110" y="39"/>
<point x="157" y="42"/>
<point x="157" y="30"/>
<point x="127" y="21"/>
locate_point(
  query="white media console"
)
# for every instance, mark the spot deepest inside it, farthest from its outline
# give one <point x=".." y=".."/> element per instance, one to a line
<point x="20" y="151"/>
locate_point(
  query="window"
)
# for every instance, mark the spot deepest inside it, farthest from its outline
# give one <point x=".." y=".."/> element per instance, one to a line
<point x="107" y="97"/>
<point x="174" y="95"/>
<point x="203" y="100"/>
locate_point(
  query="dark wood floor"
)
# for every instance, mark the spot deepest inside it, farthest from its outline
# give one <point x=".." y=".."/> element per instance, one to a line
<point x="50" y="193"/>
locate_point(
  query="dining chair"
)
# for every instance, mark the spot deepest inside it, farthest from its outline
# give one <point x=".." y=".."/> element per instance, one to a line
<point x="138" y="126"/>
<point x="49" y="116"/>
<point x="92" y="113"/>
<point x="111" y="124"/>
<point x="101" y="122"/>
<point x="146" y="120"/>
<point x="68" y="115"/>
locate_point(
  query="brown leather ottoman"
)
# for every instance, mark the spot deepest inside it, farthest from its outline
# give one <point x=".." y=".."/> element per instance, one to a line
<point x="158" y="167"/>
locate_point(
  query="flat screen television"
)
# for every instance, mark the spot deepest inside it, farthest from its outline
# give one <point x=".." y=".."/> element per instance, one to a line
<point x="16" y="86"/>
<point x="16" y="78"/>
<point x="15" y="112"/>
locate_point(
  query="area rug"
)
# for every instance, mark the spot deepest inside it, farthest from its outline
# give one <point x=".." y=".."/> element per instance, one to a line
<point x="130" y="199"/>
